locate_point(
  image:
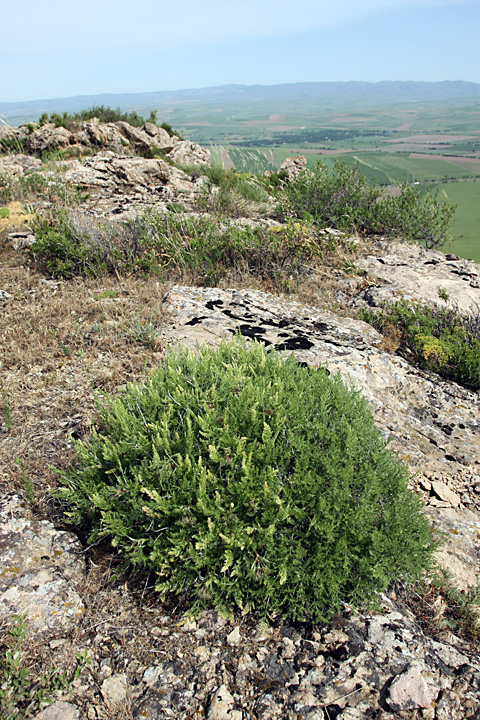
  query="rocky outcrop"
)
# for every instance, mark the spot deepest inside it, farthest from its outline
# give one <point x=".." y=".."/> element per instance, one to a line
<point x="119" y="137"/>
<point x="403" y="270"/>
<point x="117" y="185"/>
<point x="293" y="166"/>
<point x="18" y="165"/>
<point x="49" y="137"/>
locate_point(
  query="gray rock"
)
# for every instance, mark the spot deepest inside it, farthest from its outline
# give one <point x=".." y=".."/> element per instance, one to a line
<point x="39" y="570"/>
<point x="49" y="137"/>
<point x="60" y="710"/>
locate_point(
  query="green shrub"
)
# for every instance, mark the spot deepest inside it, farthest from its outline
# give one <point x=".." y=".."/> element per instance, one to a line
<point x="63" y="251"/>
<point x="104" y="114"/>
<point x="243" y="480"/>
<point x="424" y="218"/>
<point x="342" y="198"/>
<point x="434" y="338"/>
<point x="168" y="128"/>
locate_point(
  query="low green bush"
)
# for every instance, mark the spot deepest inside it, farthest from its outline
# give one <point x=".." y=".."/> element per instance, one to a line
<point x="104" y="114"/>
<point x="341" y="197"/>
<point x="434" y="338"/>
<point x="241" y="479"/>
<point x="64" y="251"/>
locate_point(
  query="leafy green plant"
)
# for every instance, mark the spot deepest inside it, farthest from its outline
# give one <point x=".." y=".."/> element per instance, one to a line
<point x="343" y="198"/>
<point x="168" y="128"/>
<point x="241" y="479"/>
<point x="27" y="483"/>
<point x="434" y="338"/>
<point x="424" y="218"/>
<point x="22" y="696"/>
<point x="442" y="293"/>
<point x="4" y="212"/>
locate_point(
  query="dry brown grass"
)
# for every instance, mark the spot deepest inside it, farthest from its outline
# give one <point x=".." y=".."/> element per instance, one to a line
<point x="60" y="343"/>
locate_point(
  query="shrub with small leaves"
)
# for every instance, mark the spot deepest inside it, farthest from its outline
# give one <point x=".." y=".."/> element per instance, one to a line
<point x="241" y="479"/>
<point x="441" y="339"/>
<point x="343" y="198"/>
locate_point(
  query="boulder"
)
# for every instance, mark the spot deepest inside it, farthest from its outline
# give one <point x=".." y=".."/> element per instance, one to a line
<point x="293" y="166"/>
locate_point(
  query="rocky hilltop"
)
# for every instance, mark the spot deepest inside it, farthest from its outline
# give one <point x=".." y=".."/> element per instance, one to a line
<point x="148" y="660"/>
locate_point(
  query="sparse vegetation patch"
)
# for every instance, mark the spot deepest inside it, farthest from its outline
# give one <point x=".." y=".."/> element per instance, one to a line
<point x="69" y="244"/>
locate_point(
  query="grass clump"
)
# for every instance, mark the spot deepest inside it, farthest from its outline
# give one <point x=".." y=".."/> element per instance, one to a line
<point x="241" y="479"/>
<point x="434" y="338"/>
<point x="235" y="194"/>
<point x="342" y="198"/>
<point x="69" y="244"/>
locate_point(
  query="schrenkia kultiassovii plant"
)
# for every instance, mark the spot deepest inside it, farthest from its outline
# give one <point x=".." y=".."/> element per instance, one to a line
<point x="244" y="480"/>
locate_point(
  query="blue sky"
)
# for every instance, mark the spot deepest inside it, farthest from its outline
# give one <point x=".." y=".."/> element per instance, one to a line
<point x="57" y="49"/>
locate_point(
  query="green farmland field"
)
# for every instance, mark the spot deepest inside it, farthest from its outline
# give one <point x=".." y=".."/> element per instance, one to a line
<point x="466" y="223"/>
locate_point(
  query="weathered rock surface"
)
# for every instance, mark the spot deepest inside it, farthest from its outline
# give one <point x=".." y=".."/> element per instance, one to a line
<point x="402" y="270"/>
<point x="39" y="569"/>
<point x="293" y="166"/>
<point x="17" y="165"/>
<point x="117" y="185"/>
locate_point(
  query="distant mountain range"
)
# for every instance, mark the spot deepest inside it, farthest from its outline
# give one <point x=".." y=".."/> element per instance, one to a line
<point x="339" y="94"/>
